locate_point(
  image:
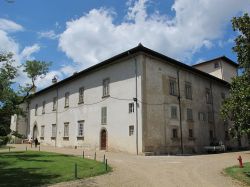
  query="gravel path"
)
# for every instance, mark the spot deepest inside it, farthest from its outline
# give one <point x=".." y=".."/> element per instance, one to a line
<point x="173" y="171"/>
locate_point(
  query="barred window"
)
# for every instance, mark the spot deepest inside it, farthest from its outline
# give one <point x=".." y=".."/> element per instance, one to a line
<point x="80" y="128"/>
<point x="173" y="112"/>
<point x="104" y="116"/>
<point x="66" y="129"/>
<point x="189" y="114"/>
<point x="131" y="130"/>
<point x="188" y="90"/>
<point x="105" y="84"/>
<point x="172" y="86"/>
<point x="66" y="99"/>
<point x="131" y="107"/>
<point x="81" y="95"/>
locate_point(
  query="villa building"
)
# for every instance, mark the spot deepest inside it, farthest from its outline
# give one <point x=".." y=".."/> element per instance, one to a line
<point x="138" y="101"/>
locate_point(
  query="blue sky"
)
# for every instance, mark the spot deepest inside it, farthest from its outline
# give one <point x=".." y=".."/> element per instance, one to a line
<point x="77" y="34"/>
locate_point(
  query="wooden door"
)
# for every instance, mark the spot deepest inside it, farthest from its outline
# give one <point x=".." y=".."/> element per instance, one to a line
<point x="103" y="139"/>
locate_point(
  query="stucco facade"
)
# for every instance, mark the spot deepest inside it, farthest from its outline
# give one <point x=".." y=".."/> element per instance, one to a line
<point x="167" y="119"/>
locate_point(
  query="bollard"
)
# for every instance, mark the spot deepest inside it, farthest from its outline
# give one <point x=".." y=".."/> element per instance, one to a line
<point x="9" y="149"/>
<point x="39" y="147"/>
<point x="240" y="161"/>
<point x="104" y="158"/>
<point x="26" y="148"/>
<point x="83" y="154"/>
<point x="95" y="156"/>
<point x="75" y="170"/>
<point x="106" y="165"/>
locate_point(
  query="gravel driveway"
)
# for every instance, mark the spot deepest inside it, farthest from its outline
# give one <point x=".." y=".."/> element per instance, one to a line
<point x="172" y="171"/>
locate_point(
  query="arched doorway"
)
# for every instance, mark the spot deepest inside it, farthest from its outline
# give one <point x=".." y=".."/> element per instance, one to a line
<point x="35" y="132"/>
<point x="103" y="138"/>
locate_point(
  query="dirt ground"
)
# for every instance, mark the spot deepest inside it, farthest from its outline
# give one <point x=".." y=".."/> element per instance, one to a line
<point x="169" y="171"/>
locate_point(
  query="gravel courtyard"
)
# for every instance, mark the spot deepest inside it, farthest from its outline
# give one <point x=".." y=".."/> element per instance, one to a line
<point x="172" y="171"/>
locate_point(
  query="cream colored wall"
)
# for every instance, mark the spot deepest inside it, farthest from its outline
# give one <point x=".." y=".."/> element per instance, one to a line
<point x="228" y="71"/>
<point x="122" y="86"/>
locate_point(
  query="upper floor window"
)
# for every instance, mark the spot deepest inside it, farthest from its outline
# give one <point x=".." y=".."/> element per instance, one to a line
<point x="105" y="85"/>
<point x="36" y="108"/>
<point x="202" y="116"/>
<point x="208" y="96"/>
<point x="216" y="65"/>
<point x="66" y="99"/>
<point x="173" y="112"/>
<point x="188" y="90"/>
<point x="189" y="114"/>
<point x="174" y="133"/>
<point x="190" y="133"/>
<point x="66" y="129"/>
<point x="81" y="95"/>
<point x="172" y="86"/>
<point x="54" y="103"/>
<point x="53" y="135"/>
<point x="80" y="128"/>
<point x="43" y="111"/>
<point x="104" y="116"/>
<point x="131" y="107"/>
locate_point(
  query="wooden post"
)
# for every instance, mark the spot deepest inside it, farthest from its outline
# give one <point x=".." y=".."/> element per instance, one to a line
<point x="83" y="154"/>
<point x="9" y="149"/>
<point x="39" y="147"/>
<point x="26" y="148"/>
<point x="104" y="158"/>
<point x="95" y="156"/>
<point x="106" y="165"/>
<point x="75" y="170"/>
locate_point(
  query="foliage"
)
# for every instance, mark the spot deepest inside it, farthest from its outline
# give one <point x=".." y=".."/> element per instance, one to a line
<point x="237" y="106"/>
<point x="4" y="140"/>
<point x="241" y="174"/>
<point x="33" y="168"/>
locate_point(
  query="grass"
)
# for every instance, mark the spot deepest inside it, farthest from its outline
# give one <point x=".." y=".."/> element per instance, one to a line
<point x="5" y="147"/>
<point x="32" y="168"/>
<point x="241" y="174"/>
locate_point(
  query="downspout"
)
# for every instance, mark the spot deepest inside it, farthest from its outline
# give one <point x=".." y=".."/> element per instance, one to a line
<point x="212" y="100"/>
<point x="179" y="101"/>
<point x="136" y="105"/>
<point x="56" y="115"/>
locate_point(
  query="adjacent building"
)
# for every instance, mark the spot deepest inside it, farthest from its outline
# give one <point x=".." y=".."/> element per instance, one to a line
<point x="138" y="101"/>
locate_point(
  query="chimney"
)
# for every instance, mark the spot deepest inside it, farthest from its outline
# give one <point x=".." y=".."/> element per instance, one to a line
<point x="54" y="80"/>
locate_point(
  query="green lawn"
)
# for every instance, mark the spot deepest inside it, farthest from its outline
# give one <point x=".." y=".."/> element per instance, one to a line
<point x="33" y="168"/>
<point x="241" y="174"/>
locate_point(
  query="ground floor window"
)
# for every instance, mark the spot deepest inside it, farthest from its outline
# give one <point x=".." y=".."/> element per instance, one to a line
<point x="190" y="133"/>
<point x="80" y="128"/>
<point x="66" y="129"/>
<point x="53" y="135"/>
<point x="42" y="131"/>
<point x="131" y="130"/>
<point x="174" y="133"/>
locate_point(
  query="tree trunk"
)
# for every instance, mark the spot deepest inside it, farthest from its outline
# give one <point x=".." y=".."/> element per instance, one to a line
<point x="239" y="141"/>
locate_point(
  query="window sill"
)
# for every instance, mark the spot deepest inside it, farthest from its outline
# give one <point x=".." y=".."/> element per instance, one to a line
<point x="105" y="96"/>
<point x="80" y="103"/>
<point x="53" y="138"/>
<point x="65" y="138"/>
<point x="54" y="110"/>
<point x="80" y="137"/>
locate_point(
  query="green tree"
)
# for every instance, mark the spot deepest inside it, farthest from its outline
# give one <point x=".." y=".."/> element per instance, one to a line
<point x="10" y="99"/>
<point x="237" y="106"/>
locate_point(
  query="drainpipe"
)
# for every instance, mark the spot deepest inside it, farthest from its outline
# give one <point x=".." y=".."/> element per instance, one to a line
<point x="179" y="100"/>
<point x="212" y="102"/>
<point x="56" y="115"/>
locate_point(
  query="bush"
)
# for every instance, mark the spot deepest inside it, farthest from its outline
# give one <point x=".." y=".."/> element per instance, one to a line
<point x="4" y="140"/>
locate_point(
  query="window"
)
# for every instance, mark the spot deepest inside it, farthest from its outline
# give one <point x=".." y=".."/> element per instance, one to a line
<point x="66" y="99"/>
<point x="208" y="96"/>
<point x="174" y="133"/>
<point x="54" y="103"/>
<point x="189" y="114"/>
<point x="172" y="86"/>
<point x="210" y="117"/>
<point x="202" y="116"/>
<point x="173" y="112"/>
<point x="42" y="131"/>
<point x="80" y="128"/>
<point x="190" y="133"/>
<point x="131" y="130"/>
<point x="81" y="95"/>
<point x="53" y="135"/>
<point x="104" y="116"/>
<point x="188" y="90"/>
<point x="36" y="108"/>
<point x="105" y="84"/>
<point x="131" y="107"/>
<point x="216" y="65"/>
<point x="43" y="111"/>
<point x="66" y="129"/>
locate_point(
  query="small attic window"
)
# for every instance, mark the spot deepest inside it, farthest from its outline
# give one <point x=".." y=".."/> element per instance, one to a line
<point x="216" y="65"/>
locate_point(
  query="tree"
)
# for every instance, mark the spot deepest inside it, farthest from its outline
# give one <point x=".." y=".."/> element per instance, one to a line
<point x="237" y="106"/>
<point x="10" y="99"/>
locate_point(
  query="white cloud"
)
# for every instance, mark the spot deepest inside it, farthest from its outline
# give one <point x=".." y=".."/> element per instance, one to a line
<point x="197" y="23"/>
<point x="28" y="51"/>
<point x="10" y="26"/>
<point x="48" y="34"/>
